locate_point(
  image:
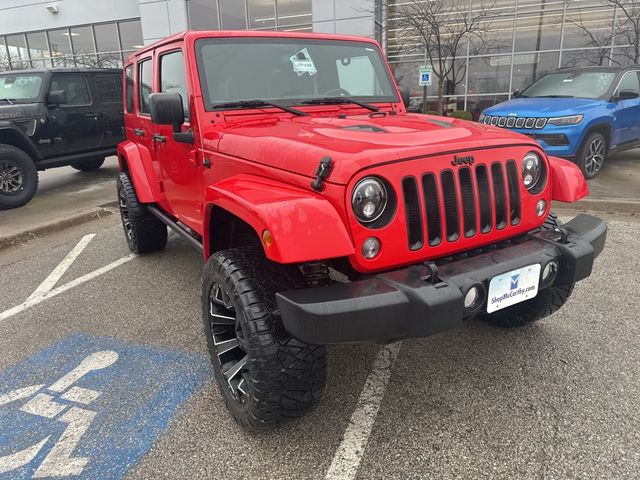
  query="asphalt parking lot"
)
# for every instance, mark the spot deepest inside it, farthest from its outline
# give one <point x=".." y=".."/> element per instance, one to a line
<point x="557" y="400"/>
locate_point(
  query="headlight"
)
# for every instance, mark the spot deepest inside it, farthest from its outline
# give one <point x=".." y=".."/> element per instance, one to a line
<point x="531" y="170"/>
<point x="369" y="199"/>
<point x="564" y="121"/>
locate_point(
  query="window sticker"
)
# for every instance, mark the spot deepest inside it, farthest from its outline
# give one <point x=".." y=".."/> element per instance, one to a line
<point x="302" y="63"/>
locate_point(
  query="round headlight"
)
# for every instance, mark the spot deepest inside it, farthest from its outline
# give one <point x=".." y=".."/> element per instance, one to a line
<point x="531" y="170"/>
<point x="369" y="199"/>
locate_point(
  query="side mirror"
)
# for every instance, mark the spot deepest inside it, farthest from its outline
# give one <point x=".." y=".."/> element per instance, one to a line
<point x="56" y="97"/>
<point x="405" y="95"/>
<point x="627" y="95"/>
<point x="516" y="93"/>
<point x="167" y="109"/>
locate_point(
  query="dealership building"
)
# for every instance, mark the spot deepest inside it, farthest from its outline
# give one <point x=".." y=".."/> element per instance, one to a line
<point x="525" y="38"/>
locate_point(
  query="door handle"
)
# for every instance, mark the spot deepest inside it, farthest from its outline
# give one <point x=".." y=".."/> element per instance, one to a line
<point x="159" y="138"/>
<point x="139" y="132"/>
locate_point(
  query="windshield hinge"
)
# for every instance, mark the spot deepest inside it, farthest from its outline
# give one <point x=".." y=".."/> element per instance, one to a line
<point x="322" y="173"/>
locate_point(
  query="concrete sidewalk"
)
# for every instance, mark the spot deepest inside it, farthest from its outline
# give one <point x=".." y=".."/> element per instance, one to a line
<point x="65" y="197"/>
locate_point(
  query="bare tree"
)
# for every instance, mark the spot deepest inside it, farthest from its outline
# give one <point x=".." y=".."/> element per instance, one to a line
<point x="442" y="28"/>
<point x="627" y="29"/>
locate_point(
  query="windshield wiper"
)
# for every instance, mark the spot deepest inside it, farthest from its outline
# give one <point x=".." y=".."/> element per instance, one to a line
<point x="258" y="103"/>
<point x="8" y="100"/>
<point x="338" y="100"/>
<point x="554" y="96"/>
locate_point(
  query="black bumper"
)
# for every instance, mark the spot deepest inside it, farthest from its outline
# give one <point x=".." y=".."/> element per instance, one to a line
<point x="406" y="303"/>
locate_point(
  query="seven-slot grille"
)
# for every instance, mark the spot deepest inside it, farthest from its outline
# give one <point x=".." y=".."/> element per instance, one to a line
<point x="460" y="202"/>
<point x="515" y="122"/>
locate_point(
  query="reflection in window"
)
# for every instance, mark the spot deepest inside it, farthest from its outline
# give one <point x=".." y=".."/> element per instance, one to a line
<point x="489" y="74"/>
<point x="131" y="35"/>
<point x="232" y="15"/>
<point x="18" y="54"/>
<point x="60" y="42"/>
<point x="530" y="67"/>
<point x="82" y="40"/>
<point x="145" y="78"/>
<point x="75" y="88"/>
<point x="173" y="79"/>
<point x="540" y="31"/>
<point x="106" y="37"/>
<point x="203" y="14"/>
<point x="293" y="13"/>
<point x="129" y="88"/>
<point x="262" y="14"/>
<point x="38" y="49"/>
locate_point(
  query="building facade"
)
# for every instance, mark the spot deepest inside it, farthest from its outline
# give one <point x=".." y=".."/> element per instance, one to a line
<point x="524" y="39"/>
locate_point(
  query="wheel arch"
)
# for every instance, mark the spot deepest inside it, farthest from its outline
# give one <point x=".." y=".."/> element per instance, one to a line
<point x="137" y="162"/>
<point x="12" y="135"/>
<point x="603" y="127"/>
<point x="304" y="226"/>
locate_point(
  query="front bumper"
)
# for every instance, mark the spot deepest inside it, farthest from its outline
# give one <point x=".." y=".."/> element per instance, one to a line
<point x="406" y="303"/>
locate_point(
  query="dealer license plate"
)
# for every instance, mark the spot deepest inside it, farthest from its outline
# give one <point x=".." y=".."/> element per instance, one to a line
<point x="513" y="287"/>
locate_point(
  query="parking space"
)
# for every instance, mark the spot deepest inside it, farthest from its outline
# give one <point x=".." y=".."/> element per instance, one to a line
<point x="555" y="400"/>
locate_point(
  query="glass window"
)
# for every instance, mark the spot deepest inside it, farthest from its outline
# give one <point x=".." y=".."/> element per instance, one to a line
<point x="489" y="74"/>
<point x="586" y="57"/>
<point x="629" y="82"/>
<point x="106" y="37"/>
<point x="145" y="81"/>
<point x="173" y="78"/>
<point x="577" y="83"/>
<point x="476" y="105"/>
<point x="4" y="56"/>
<point x="60" y="42"/>
<point x="18" y="54"/>
<point x="588" y="28"/>
<point x="131" y="35"/>
<point x="109" y="88"/>
<point x="38" y="49"/>
<point x="203" y="14"/>
<point x="82" y="40"/>
<point x="109" y="60"/>
<point x="74" y="86"/>
<point x="294" y="13"/>
<point x="232" y="15"/>
<point x="129" y="87"/>
<point x="292" y="69"/>
<point x="20" y="87"/>
<point x="262" y="14"/>
<point x="531" y="66"/>
<point x="538" y="32"/>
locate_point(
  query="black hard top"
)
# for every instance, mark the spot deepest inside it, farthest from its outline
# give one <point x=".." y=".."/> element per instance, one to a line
<point x="65" y="70"/>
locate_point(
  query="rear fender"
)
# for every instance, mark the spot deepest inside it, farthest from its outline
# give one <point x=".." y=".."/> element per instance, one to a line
<point x="304" y="225"/>
<point x="567" y="181"/>
<point x="137" y="161"/>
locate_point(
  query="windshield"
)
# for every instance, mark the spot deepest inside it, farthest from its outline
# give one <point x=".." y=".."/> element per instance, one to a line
<point x="571" y="84"/>
<point x="20" y="87"/>
<point x="290" y="70"/>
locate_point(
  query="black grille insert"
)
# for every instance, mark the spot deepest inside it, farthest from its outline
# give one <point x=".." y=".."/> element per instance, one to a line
<point x="432" y="205"/>
<point x="500" y="195"/>
<point x="450" y="199"/>
<point x="484" y="197"/>
<point x="468" y="202"/>
<point x="514" y="192"/>
<point x="413" y="213"/>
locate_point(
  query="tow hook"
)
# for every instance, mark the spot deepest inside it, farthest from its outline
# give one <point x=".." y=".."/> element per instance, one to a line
<point x="432" y="276"/>
<point x="322" y="173"/>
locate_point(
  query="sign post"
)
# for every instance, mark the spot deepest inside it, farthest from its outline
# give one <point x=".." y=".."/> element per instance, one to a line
<point x="424" y="78"/>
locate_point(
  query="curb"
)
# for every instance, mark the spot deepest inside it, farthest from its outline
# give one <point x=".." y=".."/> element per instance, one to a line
<point x="59" y="224"/>
<point x="608" y="205"/>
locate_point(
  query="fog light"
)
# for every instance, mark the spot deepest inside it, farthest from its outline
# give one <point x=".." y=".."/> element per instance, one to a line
<point x="550" y="271"/>
<point x="541" y="207"/>
<point x="472" y="298"/>
<point x="370" y="247"/>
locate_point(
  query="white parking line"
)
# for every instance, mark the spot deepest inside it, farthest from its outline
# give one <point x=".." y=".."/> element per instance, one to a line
<point x="349" y="454"/>
<point x="62" y="267"/>
<point x="63" y="288"/>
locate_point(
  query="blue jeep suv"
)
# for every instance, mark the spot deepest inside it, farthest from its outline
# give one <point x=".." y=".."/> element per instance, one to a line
<point x="582" y="114"/>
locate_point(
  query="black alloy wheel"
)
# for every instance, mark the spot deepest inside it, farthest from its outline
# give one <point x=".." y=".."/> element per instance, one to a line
<point x="11" y="177"/>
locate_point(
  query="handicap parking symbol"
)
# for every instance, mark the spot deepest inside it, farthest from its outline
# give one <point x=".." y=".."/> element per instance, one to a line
<point x="90" y="407"/>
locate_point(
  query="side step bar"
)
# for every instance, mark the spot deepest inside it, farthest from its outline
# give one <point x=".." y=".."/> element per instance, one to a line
<point x="183" y="232"/>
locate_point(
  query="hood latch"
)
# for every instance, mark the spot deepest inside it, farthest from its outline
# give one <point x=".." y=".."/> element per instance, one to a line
<point x="322" y="173"/>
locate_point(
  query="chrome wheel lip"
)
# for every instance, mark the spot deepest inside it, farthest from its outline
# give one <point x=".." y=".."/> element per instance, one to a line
<point x="228" y="341"/>
<point x="595" y="156"/>
<point x="12" y="177"/>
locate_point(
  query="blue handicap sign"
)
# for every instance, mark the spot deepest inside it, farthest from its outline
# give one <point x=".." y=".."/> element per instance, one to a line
<point x="425" y="77"/>
<point x="90" y="407"/>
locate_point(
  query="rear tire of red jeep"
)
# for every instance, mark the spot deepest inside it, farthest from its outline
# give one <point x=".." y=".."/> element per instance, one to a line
<point x="265" y="375"/>
<point x="18" y="177"/>
<point x="144" y="232"/>
<point x="547" y="301"/>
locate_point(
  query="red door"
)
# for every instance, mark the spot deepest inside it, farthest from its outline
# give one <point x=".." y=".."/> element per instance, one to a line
<point x="181" y="175"/>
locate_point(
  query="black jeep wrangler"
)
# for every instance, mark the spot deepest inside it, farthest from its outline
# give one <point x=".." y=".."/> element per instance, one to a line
<point x="53" y="118"/>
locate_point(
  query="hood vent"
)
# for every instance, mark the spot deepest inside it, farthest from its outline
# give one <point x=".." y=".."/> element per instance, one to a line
<point x="365" y="128"/>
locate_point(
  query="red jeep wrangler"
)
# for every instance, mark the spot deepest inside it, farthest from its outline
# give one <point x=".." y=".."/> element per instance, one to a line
<point x="328" y="214"/>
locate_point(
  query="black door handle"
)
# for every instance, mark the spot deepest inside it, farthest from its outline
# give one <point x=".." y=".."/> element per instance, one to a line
<point x="139" y="132"/>
<point x="159" y="138"/>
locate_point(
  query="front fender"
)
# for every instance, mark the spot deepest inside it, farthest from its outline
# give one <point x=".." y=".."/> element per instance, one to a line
<point x="567" y="181"/>
<point x="304" y="225"/>
<point x="138" y="163"/>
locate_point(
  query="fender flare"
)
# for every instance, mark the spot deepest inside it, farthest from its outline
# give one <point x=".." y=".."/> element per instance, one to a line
<point x="19" y="138"/>
<point x="567" y="181"/>
<point x="304" y="225"/>
<point x="137" y="161"/>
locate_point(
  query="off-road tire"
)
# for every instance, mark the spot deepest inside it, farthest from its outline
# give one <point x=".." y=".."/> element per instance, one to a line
<point x="547" y="301"/>
<point x="283" y="376"/>
<point x="144" y="232"/>
<point x="594" y="141"/>
<point x="89" y="164"/>
<point x="11" y="158"/>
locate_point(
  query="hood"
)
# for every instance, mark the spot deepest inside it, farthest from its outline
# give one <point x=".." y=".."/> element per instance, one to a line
<point x="543" y="107"/>
<point x="297" y="144"/>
